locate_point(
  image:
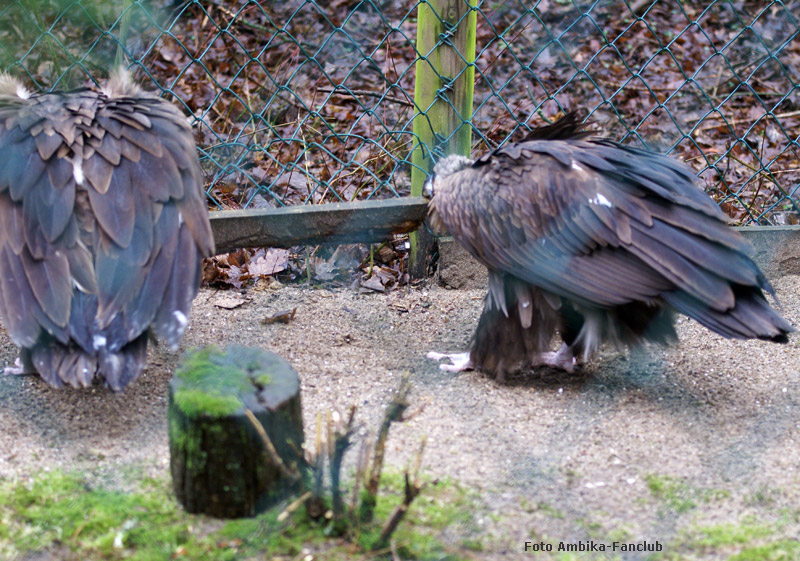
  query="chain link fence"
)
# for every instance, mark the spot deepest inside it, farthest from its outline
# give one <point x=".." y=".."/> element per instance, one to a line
<point x="299" y="102"/>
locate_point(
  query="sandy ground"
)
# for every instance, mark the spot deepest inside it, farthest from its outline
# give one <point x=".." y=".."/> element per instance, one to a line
<point x="549" y="456"/>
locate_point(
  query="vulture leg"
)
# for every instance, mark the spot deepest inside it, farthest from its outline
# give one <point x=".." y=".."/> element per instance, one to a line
<point x="459" y="361"/>
<point x="516" y="325"/>
<point x="563" y="359"/>
<point x="22" y="365"/>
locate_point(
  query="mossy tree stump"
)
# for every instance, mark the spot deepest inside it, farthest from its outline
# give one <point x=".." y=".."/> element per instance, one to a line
<point x="221" y="465"/>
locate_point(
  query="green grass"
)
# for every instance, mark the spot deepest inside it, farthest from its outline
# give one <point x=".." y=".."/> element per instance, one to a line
<point x="679" y="496"/>
<point x="781" y="550"/>
<point x="65" y="512"/>
<point x="730" y="534"/>
<point x="747" y="540"/>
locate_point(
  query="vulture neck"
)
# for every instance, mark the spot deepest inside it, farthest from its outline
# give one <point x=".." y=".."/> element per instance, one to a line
<point x="11" y="87"/>
<point x="119" y="84"/>
<point x="450" y="165"/>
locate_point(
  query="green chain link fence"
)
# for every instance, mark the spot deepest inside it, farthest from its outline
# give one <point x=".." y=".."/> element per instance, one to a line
<point x="298" y="102"/>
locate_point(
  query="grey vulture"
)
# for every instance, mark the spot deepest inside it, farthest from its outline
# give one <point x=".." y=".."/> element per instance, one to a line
<point x="598" y="241"/>
<point x="103" y="226"/>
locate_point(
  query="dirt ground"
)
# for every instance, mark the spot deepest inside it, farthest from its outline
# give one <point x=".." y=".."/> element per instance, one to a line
<point x="645" y="446"/>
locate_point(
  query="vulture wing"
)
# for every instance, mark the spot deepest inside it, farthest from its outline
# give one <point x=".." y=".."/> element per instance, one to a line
<point x="103" y="224"/>
<point x="604" y="225"/>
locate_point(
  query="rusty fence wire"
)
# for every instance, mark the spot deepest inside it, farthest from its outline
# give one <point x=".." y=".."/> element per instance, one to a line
<point x="303" y="102"/>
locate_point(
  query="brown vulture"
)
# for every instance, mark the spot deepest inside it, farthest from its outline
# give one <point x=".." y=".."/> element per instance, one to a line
<point x="598" y="241"/>
<point x="103" y="225"/>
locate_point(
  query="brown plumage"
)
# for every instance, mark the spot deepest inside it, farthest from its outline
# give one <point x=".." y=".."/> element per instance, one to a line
<point x="597" y="240"/>
<point x="103" y="224"/>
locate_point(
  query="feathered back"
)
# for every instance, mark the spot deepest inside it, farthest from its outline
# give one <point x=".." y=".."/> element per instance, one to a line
<point x="569" y="127"/>
<point x="103" y="223"/>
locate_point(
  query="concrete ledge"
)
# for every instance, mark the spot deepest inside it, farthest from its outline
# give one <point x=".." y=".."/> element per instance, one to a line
<point x="334" y="223"/>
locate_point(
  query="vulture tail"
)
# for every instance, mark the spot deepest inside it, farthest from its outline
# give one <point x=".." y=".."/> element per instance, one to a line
<point x="751" y="317"/>
<point x="120" y="368"/>
<point x="61" y="365"/>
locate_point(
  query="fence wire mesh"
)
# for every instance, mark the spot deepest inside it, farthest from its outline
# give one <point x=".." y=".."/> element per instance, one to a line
<point x="298" y="102"/>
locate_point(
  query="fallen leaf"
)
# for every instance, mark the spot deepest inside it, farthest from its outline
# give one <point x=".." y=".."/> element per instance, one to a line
<point x="373" y="283"/>
<point x="229" y="301"/>
<point x="274" y="261"/>
<point x="280" y="317"/>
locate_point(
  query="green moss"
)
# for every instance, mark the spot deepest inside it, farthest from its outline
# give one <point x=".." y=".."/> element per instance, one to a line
<point x="193" y="402"/>
<point x="549" y="510"/>
<point x="730" y="534"/>
<point x="210" y="382"/>
<point x="783" y="550"/>
<point x="679" y="496"/>
<point x="674" y="492"/>
<point x="747" y="540"/>
<point x="56" y="510"/>
<point x="620" y="535"/>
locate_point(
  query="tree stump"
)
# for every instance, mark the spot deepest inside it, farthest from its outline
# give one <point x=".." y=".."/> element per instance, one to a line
<point x="220" y="462"/>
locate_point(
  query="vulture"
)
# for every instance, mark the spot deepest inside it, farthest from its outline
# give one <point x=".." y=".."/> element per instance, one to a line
<point x="595" y="240"/>
<point x="103" y="226"/>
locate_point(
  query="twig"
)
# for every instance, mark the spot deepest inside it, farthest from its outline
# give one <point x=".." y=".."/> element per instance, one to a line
<point x="243" y="21"/>
<point x="638" y="5"/>
<point x="740" y="121"/>
<point x="412" y="490"/>
<point x="364" y="93"/>
<point x="341" y="442"/>
<point x="293" y="473"/>
<point x="316" y="505"/>
<point x="361" y="468"/>
<point x="294" y="506"/>
<point x="394" y="412"/>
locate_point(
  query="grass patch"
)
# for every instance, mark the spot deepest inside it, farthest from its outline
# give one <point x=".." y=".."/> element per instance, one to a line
<point x="549" y="510"/>
<point x="782" y="550"/>
<point x="730" y="534"/>
<point x="63" y="511"/>
<point x="748" y="540"/>
<point x="679" y="496"/>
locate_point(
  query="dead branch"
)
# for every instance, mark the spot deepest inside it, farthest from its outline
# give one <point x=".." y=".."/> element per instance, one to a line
<point x="412" y="490"/>
<point x="341" y="442"/>
<point x="394" y="412"/>
<point x="364" y="93"/>
<point x="294" y="505"/>
<point x="316" y="504"/>
<point x="293" y="473"/>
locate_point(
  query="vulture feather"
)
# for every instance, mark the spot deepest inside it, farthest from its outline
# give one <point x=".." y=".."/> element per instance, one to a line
<point x="103" y="224"/>
<point x="598" y="241"/>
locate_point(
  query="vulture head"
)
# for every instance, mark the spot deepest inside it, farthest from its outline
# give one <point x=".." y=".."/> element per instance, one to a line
<point x="596" y="241"/>
<point x="443" y="168"/>
<point x="103" y="225"/>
